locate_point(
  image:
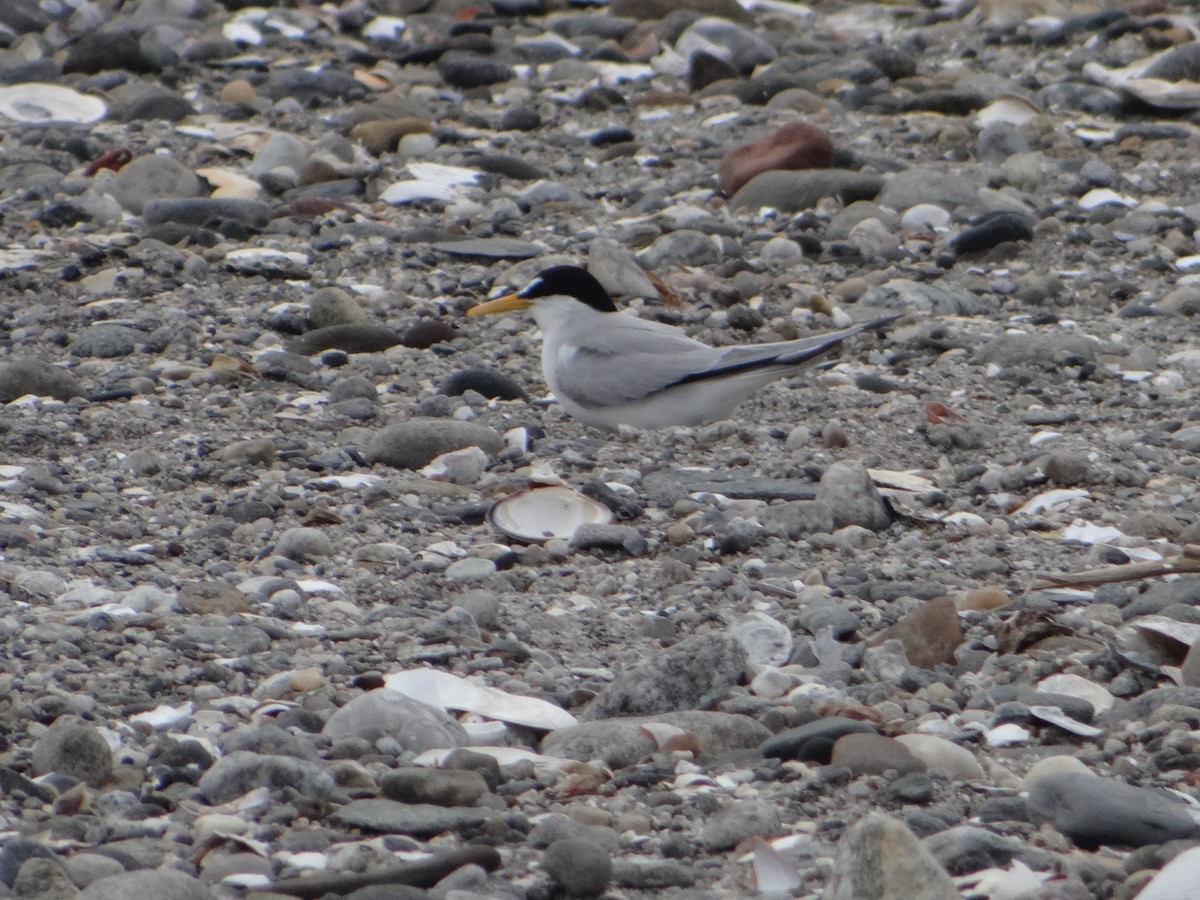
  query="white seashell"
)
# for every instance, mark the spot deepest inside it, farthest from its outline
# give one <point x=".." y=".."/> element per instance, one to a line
<point x="246" y="880"/>
<point x="486" y="733"/>
<point x="263" y="255"/>
<point x="163" y="716"/>
<point x="1185" y="633"/>
<point x="1177" y="880"/>
<point x="1104" y="197"/>
<point x="35" y="102"/>
<point x="901" y="481"/>
<point x="242" y="33"/>
<point x="318" y="586"/>
<point x="230" y="184"/>
<point x="774" y="874"/>
<point x="1080" y="688"/>
<point x="1009" y="109"/>
<point x="355" y="482"/>
<point x="506" y="756"/>
<point x="1052" y="715"/>
<point x="767" y="642"/>
<point x="922" y="219"/>
<point x="660" y="732"/>
<point x="1006" y="735"/>
<point x="544" y="513"/>
<point x="384" y="28"/>
<point x="20" y="258"/>
<point x="465" y="466"/>
<point x="1051" y="499"/>
<point x="1081" y="532"/>
<point x="451" y="692"/>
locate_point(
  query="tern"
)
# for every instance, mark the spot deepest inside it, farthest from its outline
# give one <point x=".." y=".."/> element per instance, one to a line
<point x="609" y="369"/>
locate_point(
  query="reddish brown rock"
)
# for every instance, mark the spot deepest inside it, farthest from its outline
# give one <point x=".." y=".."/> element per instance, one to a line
<point x="795" y="146"/>
<point x="930" y="634"/>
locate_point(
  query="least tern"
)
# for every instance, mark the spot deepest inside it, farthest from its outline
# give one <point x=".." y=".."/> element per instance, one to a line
<point x="609" y="369"/>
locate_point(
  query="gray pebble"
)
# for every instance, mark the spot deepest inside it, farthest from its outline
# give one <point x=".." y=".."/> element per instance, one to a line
<point x="414" y="725"/>
<point x="75" y="748"/>
<point x="578" y="867"/>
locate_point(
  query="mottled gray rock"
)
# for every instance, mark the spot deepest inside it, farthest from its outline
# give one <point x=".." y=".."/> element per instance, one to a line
<point x="798" y="518"/>
<point x="740" y="47"/>
<point x="681" y="248"/>
<point x="617" y="270"/>
<point x="926" y="184"/>
<point x="847" y="489"/>
<point x="620" y="742"/>
<point x="465" y="70"/>
<point x="693" y="674"/>
<point x="242" y="771"/>
<point x="746" y="818"/>
<point x="304" y="544"/>
<point x="1043" y="351"/>
<point x="44" y="879"/>
<point x="415" y="443"/>
<point x="579" y="868"/>
<point x="105" y="341"/>
<point x="937" y="298"/>
<point x="16" y="852"/>
<point x="879" y="858"/>
<point x="968" y="848"/>
<point x="829" y="614"/>
<point x="1094" y="811"/>
<point x="75" y="748"/>
<point x="382" y="713"/>
<point x="873" y="754"/>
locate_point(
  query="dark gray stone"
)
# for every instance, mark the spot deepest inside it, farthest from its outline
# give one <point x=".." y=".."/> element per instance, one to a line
<point x="579" y="868"/>
<point x="242" y="771"/>
<point x="813" y="742"/>
<point x="75" y="748"/>
<point x="416" y="819"/>
<point x="105" y="341"/>
<point x="415" y="443"/>
<point x="38" y="377"/>
<point x="1094" y="811"/>
<point x="620" y="742"/>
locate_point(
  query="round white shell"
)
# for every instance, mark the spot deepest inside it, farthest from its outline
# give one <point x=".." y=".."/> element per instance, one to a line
<point x="544" y="513"/>
<point x="39" y="103"/>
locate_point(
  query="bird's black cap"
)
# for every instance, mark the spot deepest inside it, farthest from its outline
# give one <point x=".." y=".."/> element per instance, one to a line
<point x="571" y="281"/>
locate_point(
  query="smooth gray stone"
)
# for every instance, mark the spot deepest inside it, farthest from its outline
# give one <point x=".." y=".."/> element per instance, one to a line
<point x="967" y="848"/>
<point x="491" y="248"/>
<point x="417" y="819"/>
<point x="673" y="485"/>
<point x="153" y="177"/>
<point x="38" y="377"/>
<point x="879" y="858"/>
<point x="416" y="726"/>
<point x="795" y="191"/>
<point x="580" y="868"/>
<point x="1045" y="351"/>
<point x="415" y="443"/>
<point x="1094" y="811"/>
<point x="681" y="248"/>
<point x="915" y="186"/>
<point x="617" y="270"/>
<point x="457" y="787"/>
<point x="693" y="674"/>
<point x="814" y="741"/>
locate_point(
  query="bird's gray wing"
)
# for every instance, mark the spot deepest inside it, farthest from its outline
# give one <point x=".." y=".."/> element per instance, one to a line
<point x="625" y="360"/>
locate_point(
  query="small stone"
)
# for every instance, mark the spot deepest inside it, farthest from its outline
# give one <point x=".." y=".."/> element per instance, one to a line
<point x="38" y="377"/>
<point x="874" y="754"/>
<point x="991" y="230"/>
<point x="847" y="489"/>
<point x="333" y="306"/>
<point x="417" y="819"/>
<point x="382" y="713"/>
<point x="796" y="191"/>
<point x="930" y="634"/>
<point x="578" y="867"/>
<point x="75" y="748"/>
<point x="436" y="786"/>
<point x="484" y="381"/>
<point x="211" y="598"/>
<point x="161" y="884"/>
<point x="941" y="755"/>
<point x="425" y="333"/>
<point x="241" y="771"/>
<point x="879" y="858"/>
<point x="415" y="443"/>
<point x="382" y="136"/>
<point x="464" y="70"/>
<point x="747" y="818"/>
<point x="153" y="177"/>
<point x="107" y="341"/>
<point x="352" y="337"/>
<point x="44" y="879"/>
<point x="304" y="544"/>
<point x="813" y="742"/>
<point x="795" y="146"/>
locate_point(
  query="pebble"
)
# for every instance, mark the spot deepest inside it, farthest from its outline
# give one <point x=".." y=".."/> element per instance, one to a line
<point x="411" y="724"/>
<point x="873" y="754"/>
<point x="1094" y="811"/>
<point x="76" y="749"/>
<point x="815" y="741"/>
<point x="415" y="443"/>
<point x="730" y="827"/>
<point x="579" y="868"/>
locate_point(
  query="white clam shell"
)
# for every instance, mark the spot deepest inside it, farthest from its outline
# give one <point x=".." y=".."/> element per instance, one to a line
<point x="38" y="103"/>
<point x="451" y="692"/>
<point x="1079" y="687"/>
<point x="1052" y="715"/>
<point x="1009" y="109"/>
<point x="545" y="513"/>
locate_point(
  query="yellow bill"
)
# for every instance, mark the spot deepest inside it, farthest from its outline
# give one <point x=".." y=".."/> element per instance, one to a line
<point x="507" y="303"/>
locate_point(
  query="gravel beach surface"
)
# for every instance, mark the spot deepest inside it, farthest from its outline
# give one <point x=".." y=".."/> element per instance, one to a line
<point x="289" y="607"/>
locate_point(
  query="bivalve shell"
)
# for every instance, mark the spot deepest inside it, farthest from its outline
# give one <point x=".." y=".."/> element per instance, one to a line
<point x="38" y="104"/>
<point x="544" y="513"/>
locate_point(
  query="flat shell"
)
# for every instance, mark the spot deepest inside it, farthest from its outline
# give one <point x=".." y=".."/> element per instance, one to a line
<point x="42" y="103"/>
<point x="547" y="512"/>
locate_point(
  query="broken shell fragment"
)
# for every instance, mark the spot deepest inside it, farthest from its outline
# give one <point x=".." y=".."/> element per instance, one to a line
<point x="544" y="513"/>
